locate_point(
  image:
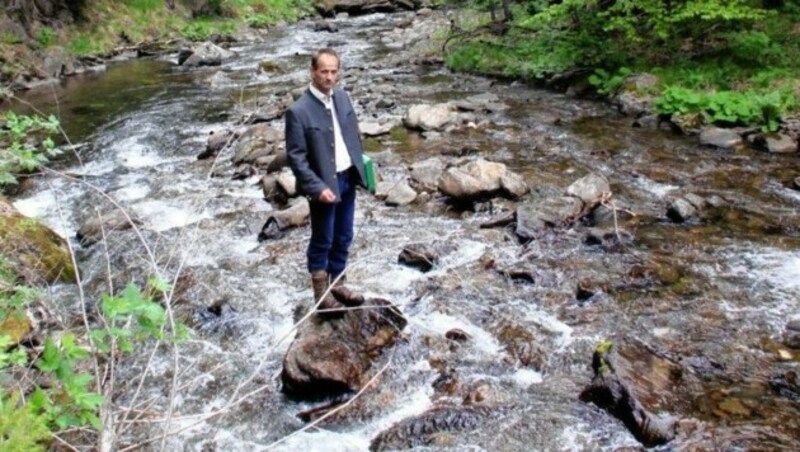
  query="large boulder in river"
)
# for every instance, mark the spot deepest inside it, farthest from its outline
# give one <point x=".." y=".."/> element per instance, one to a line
<point x="332" y="357"/>
<point x="258" y="141"/>
<point x="33" y="251"/>
<point x="480" y="178"/>
<point x="429" y="117"/>
<point x="204" y="54"/>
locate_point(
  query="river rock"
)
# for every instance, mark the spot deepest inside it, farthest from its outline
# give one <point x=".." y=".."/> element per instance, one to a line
<point x="422" y="430"/>
<point x="215" y="142"/>
<point x="329" y="358"/>
<point x="400" y="194"/>
<point x="719" y="137"/>
<point x="205" y="54"/>
<point x="273" y="191"/>
<point x="791" y="337"/>
<point x="288" y="183"/>
<point x="611" y="214"/>
<point x="325" y="25"/>
<point x="106" y="223"/>
<point x="33" y="251"/>
<point x="425" y="174"/>
<point x="293" y="216"/>
<point x="57" y="62"/>
<point x="374" y="129"/>
<point x="591" y="189"/>
<point x="781" y="144"/>
<point x="257" y="141"/>
<point x="681" y="210"/>
<point x="458" y="335"/>
<point x="620" y="382"/>
<point x="796" y="183"/>
<point x="513" y="185"/>
<point x="419" y="256"/>
<point x="521" y="345"/>
<point x="429" y="117"/>
<point x="535" y="216"/>
<point x="485" y="103"/>
<point x="477" y="179"/>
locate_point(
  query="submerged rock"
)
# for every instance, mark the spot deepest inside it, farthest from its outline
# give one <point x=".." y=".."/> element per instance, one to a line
<point x="418" y="256"/>
<point x="611" y="392"/>
<point x="332" y="357"/>
<point x="421" y="430"/>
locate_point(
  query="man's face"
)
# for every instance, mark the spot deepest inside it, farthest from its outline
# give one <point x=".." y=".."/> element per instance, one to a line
<point x="326" y="73"/>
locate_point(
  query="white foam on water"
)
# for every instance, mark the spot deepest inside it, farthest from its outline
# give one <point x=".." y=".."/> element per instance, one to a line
<point x="553" y="325"/>
<point x="44" y="207"/>
<point x="527" y="377"/>
<point x="651" y="186"/>
<point x="438" y="324"/>
<point x="161" y="215"/>
<point x="469" y="251"/>
<point x="131" y="153"/>
<point x="131" y="192"/>
<point x="396" y="279"/>
<point x="93" y="168"/>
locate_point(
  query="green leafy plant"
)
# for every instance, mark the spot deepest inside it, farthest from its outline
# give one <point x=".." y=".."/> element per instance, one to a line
<point x="25" y="143"/>
<point x="46" y="36"/>
<point x="609" y="83"/>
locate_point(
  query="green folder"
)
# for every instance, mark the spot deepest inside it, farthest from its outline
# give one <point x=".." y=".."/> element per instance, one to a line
<point x="369" y="172"/>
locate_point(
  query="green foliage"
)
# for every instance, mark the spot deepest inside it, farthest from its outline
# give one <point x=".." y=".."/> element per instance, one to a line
<point x="608" y="83"/>
<point x="728" y="107"/>
<point x="202" y="29"/>
<point x="25" y="143"/>
<point x="46" y="36"/>
<point x="21" y="428"/>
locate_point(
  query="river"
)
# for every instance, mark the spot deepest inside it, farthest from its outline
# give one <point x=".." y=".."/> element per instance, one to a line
<point x="714" y="295"/>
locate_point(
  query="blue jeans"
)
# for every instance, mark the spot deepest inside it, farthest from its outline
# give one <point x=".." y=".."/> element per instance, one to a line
<point x="332" y="229"/>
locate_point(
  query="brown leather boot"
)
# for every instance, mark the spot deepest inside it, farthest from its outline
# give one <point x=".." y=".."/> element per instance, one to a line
<point x="344" y="295"/>
<point x="319" y="282"/>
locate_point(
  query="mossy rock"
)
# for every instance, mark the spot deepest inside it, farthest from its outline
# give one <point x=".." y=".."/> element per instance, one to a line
<point x="37" y="254"/>
<point x="15" y="325"/>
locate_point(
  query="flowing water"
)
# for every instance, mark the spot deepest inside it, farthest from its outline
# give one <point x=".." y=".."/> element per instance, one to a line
<point x="714" y="294"/>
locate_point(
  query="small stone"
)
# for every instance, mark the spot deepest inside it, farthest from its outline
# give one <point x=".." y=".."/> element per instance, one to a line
<point x="781" y="144"/>
<point x="458" y="335"/>
<point x="695" y="200"/>
<point x="680" y="210"/>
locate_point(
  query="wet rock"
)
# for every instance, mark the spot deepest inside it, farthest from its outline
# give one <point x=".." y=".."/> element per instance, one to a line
<point x="424" y="12"/>
<point x="271" y="67"/>
<point x="585" y="290"/>
<point x="57" y="63"/>
<point x="218" y="318"/>
<point x="791" y="337"/>
<point x="697" y="201"/>
<point x="786" y="384"/>
<point x="33" y="251"/>
<point x="325" y="25"/>
<point x="521" y="345"/>
<point x="384" y="103"/>
<point x="611" y="214"/>
<point x="781" y="144"/>
<point x="796" y="183"/>
<point x="332" y="357"/>
<point x="273" y="163"/>
<point x="533" y="217"/>
<point x="519" y="272"/>
<point x="590" y="189"/>
<point x="400" y="194"/>
<point x="219" y="80"/>
<point x="612" y="392"/>
<point x="478" y="179"/>
<point x="288" y="182"/>
<point x="259" y="140"/>
<point x="607" y="237"/>
<point x="486" y="103"/>
<point x="107" y="223"/>
<point x="293" y="216"/>
<point x="721" y="138"/>
<point x="418" y="256"/>
<point x="374" y="129"/>
<point x="204" y="54"/>
<point x="215" y="142"/>
<point x="447" y="382"/>
<point x="425" y="174"/>
<point x="457" y="335"/>
<point x="429" y="117"/>
<point x="513" y="185"/>
<point x="681" y="210"/>
<point x="421" y="430"/>
<point x="274" y="192"/>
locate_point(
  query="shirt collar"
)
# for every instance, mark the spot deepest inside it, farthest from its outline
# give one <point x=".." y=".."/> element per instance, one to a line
<point x="319" y="94"/>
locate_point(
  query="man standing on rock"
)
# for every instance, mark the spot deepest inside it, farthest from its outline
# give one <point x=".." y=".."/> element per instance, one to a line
<point x="324" y="150"/>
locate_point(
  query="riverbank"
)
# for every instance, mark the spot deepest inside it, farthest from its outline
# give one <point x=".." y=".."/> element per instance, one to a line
<point x="743" y="73"/>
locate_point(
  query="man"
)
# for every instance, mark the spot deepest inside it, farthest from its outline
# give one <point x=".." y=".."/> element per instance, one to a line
<point x="324" y="150"/>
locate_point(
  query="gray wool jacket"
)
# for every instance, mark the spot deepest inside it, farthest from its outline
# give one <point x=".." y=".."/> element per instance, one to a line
<point x="309" y="142"/>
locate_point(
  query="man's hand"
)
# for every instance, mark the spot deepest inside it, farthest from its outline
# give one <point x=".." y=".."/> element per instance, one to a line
<point x="327" y="196"/>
